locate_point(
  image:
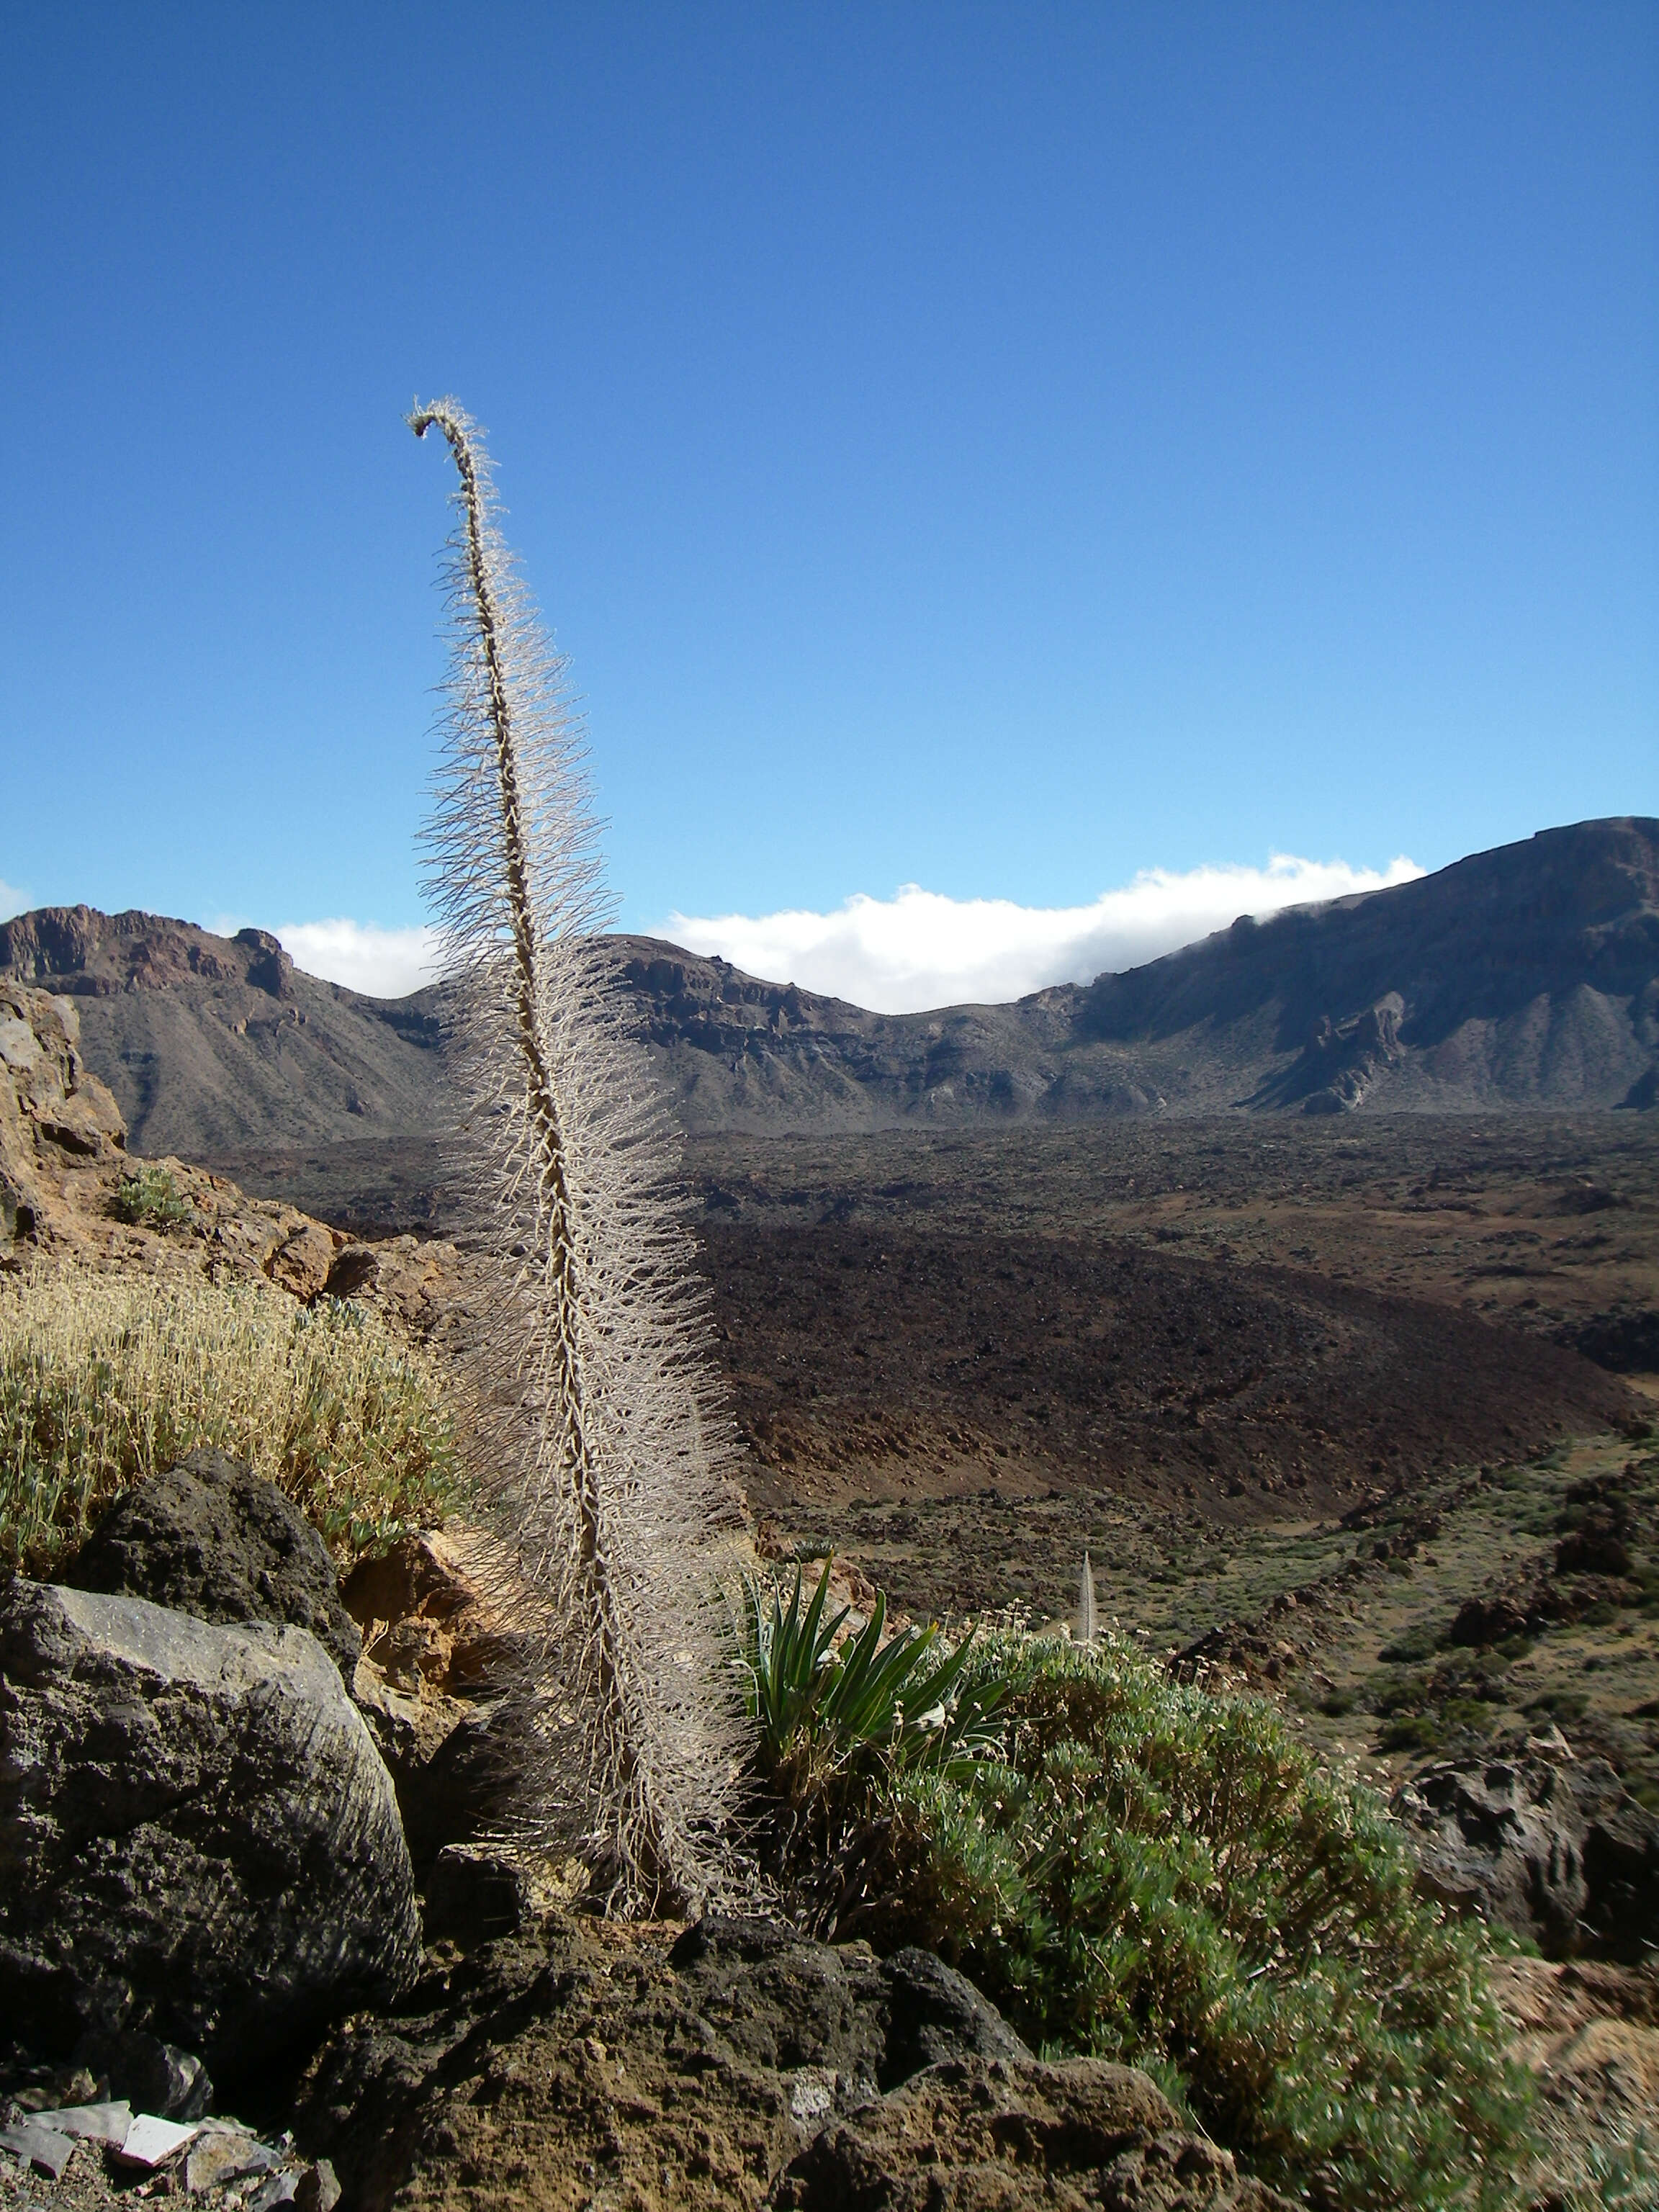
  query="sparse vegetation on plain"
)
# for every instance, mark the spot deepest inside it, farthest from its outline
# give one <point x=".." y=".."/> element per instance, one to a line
<point x="1619" y="2173"/>
<point x="105" y="1379"/>
<point x="1150" y="1873"/>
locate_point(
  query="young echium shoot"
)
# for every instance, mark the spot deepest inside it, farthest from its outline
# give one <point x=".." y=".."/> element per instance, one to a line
<point x="598" y="1450"/>
<point x="1088" y="1620"/>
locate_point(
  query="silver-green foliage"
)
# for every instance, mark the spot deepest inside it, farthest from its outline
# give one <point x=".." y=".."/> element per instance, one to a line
<point x="104" y="1380"/>
<point x="599" y="1448"/>
<point x="1155" y="1874"/>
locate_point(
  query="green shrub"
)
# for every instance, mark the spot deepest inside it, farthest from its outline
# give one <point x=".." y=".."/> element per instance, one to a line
<point x="1468" y="1716"/>
<point x="149" y="1198"/>
<point x="1413" y="1645"/>
<point x="1409" y="1732"/>
<point x="106" y="1379"/>
<point x="1165" y="1877"/>
<point x="1559" y="1706"/>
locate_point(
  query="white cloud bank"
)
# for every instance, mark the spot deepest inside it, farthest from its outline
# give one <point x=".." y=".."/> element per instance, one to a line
<point x="12" y="901"/>
<point x="919" y="949"/>
<point x="386" y="963"/>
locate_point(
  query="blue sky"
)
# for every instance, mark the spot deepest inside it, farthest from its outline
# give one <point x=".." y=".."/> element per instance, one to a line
<point x="996" y="449"/>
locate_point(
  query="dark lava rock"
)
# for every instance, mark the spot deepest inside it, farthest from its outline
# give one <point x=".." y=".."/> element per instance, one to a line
<point x="789" y="2001"/>
<point x="966" y="2135"/>
<point x="1559" y="1852"/>
<point x="474" y="1897"/>
<point x="210" y="1538"/>
<point x="154" y="2076"/>
<point x="780" y="2000"/>
<point x="448" y="1759"/>
<point x="1592" y="1552"/>
<point x="1484" y="1620"/>
<point x="198" y="1841"/>
<point x="934" y="2013"/>
<point x="1624" y="1341"/>
<point x="735" y="2066"/>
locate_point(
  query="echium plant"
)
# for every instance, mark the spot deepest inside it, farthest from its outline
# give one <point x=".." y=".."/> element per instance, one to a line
<point x="600" y="1453"/>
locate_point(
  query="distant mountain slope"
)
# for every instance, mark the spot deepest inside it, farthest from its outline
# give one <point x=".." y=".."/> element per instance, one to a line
<point x="1525" y="978"/>
<point x="212" y="1043"/>
<point x="1528" y="976"/>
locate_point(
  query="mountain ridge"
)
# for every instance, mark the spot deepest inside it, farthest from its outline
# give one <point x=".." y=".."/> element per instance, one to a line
<point x="1524" y="978"/>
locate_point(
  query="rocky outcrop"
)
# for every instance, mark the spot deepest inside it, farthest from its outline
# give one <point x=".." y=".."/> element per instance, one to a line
<point x="198" y="1839"/>
<point x="57" y="1120"/>
<point x="431" y="1647"/>
<point x="212" y="1539"/>
<point x="97" y="955"/>
<point x="737" y="2065"/>
<point x="1553" y="1849"/>
<point x="1341" y="1063"/>
<point x="1625" y="1341"/>
<point x="962" y="2137"/>
<point x="68" y="1191"/>
<point x="1589" y="2033"/>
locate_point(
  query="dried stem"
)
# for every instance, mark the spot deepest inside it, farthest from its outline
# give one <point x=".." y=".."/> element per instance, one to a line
<point x="602" y="1452"/>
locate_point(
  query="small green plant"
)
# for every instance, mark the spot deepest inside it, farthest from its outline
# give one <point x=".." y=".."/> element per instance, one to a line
<point x="820" y="1710"/>
<point x="1559" y="1706"/>
<point x="1409" y="1732"/>
<point x="1618" y="2169"/>
<point x="151" y="1198"/>
<point x="106" y="1379"/>
<point x="1413" y="1645"/>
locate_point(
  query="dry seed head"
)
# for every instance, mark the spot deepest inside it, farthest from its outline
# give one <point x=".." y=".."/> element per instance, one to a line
<point x="598" y="1445"/>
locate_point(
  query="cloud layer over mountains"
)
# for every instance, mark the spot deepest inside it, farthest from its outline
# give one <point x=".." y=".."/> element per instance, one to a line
<point x="920" y="949"/>
<point x="905" y="954"/>
<point x="385" y="963"/>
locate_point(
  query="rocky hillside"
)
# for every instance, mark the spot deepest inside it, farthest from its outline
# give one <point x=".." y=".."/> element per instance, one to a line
<point x="209" y="1043"/>
<point x="1522" y="979"/>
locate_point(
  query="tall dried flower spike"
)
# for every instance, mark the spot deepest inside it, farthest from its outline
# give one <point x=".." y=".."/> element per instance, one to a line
<point x="1088" y="1624"/>
<point x="600" y="1452"/>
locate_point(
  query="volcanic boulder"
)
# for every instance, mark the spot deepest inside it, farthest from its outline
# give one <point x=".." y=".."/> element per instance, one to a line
<point x="197" y="1837"/>
<point x="1556" y="1850"/>
<point x="965" y="2135"/>
<point x="210" y="1538"/>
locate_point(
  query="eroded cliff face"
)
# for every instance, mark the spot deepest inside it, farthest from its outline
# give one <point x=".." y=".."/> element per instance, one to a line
<point x="59" y="1126"/>
<point x="87" y="954"/>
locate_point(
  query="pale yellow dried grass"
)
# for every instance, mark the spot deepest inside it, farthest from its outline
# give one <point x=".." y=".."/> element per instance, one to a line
<point x="106" y="1379"/>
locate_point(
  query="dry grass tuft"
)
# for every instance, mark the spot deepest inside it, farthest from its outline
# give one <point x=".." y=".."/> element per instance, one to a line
<point x="106" y="1379"/>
